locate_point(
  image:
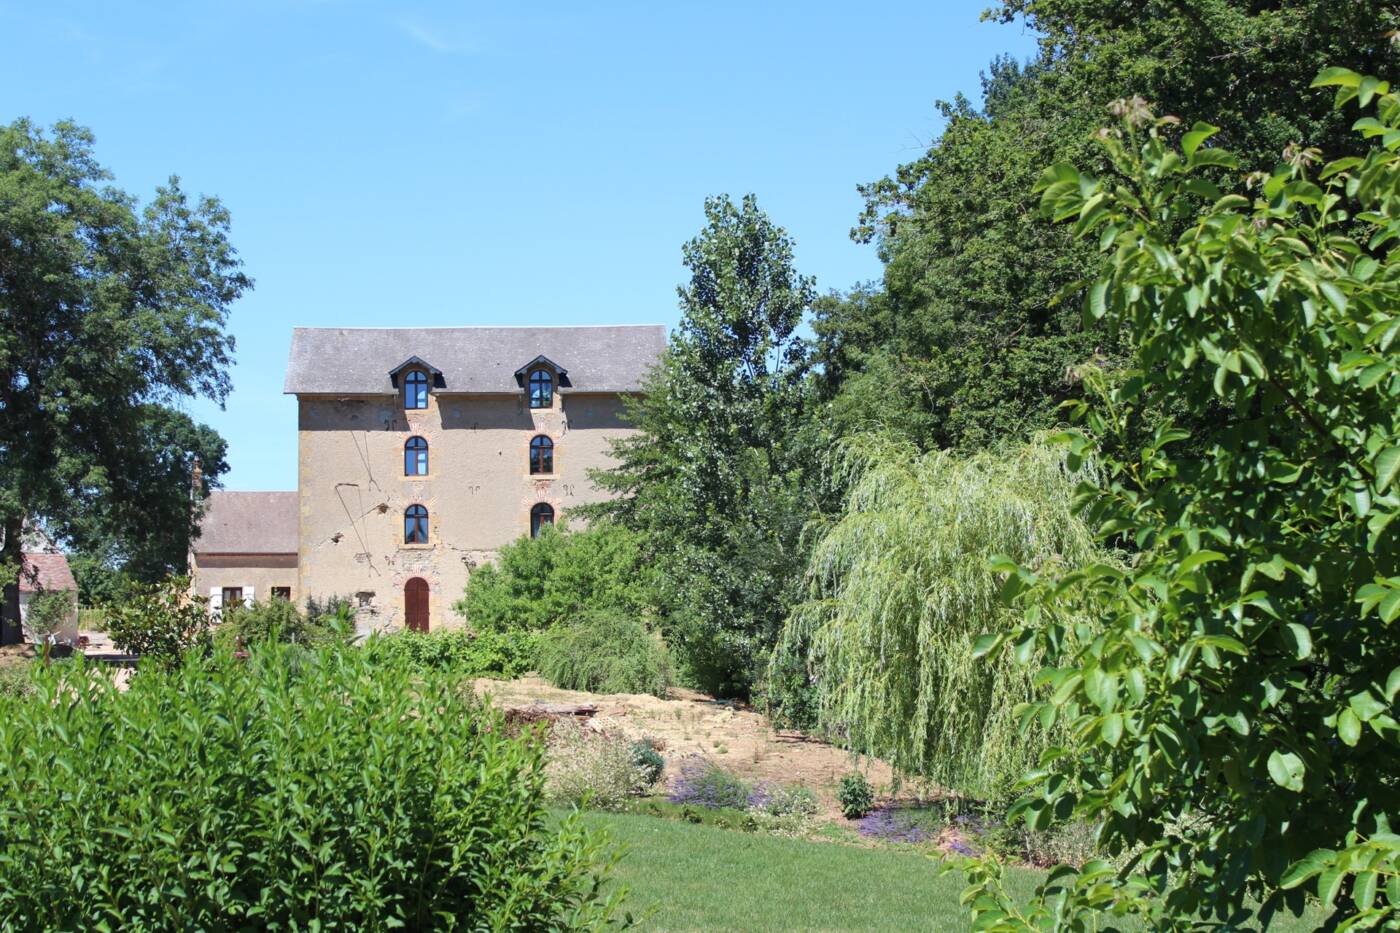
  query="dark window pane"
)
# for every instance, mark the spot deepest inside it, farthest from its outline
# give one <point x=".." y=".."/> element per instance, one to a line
<point x="540" y="516"/>
<point x="415" y="390"/>
<point x="541" y="454"/>
<point x="415" y="525"/>
<point x="415" y="457"/>
<point x="541" y="389"/>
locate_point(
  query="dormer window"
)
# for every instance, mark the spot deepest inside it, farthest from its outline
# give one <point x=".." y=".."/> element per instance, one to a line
<point x="415" y="390"/>
<point x="538" y="378"/>
<point x="541" y="388"/>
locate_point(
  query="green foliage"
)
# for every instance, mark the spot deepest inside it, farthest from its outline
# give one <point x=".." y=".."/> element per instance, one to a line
<point x="1231" y="715"/>
<point x="331" y="611"/>
<point x="331" y="793"/>
<point x="47" y="613"/>
<point x="650" y="764"/>
<point x="15" y="681"/>
<point x="855" y="795"/>
<point x="605" y="651"/>
<point x="464" y="654"/>
<point x="110" y="315"/>
<point x="160" y="621"/>
<point x="539" y="582"/>
<point x="714" y="478"/>
<point x="275" y="619"/>
<point x="966" y="341"/>
<point x="900" y="591"/>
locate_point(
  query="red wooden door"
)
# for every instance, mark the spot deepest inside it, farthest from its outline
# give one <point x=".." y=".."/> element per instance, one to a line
<point x="415" y="600"/>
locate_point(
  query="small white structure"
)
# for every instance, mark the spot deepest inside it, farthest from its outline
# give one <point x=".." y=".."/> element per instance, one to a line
<point x="44" y="572"/>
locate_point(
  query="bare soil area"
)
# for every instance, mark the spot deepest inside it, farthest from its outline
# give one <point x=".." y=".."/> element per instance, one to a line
<point x="740" y="740"/>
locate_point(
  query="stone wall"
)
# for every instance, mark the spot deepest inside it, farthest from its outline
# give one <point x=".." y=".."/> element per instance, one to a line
<point x="478" y="491"/>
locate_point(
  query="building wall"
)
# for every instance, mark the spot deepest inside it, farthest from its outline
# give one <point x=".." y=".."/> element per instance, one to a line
<point x="478" y="491"/>
<point x="256" y="572"/>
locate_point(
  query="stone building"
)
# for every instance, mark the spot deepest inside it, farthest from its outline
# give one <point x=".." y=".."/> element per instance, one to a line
<point x="420" y="452"/>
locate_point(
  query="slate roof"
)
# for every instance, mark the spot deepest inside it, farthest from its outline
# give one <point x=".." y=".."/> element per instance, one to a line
<point x="473" y="360"/>
<point x="248" y="523"/>
<point x="54" y="573"/>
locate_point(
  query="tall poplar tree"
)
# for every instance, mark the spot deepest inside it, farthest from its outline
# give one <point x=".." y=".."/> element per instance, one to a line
<point x="714" y="478"/>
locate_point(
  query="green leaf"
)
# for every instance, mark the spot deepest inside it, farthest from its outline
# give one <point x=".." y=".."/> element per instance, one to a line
<point x="1349" y="727"/>
<point x="1301" y="639"/>
<point x="1112" y="728"/>
<point x="985" y="644"/>
<point x="1286" y="769"/>
<point x="1222" y="643"/>
<point x="1199" y="133"/>
<point x="1337" y="77"/>
<point x="1198" y="559"/>
<point x="1387" y="466"/>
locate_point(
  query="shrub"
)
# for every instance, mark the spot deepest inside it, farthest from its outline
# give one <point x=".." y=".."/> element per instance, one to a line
<point x="706" y="784"/>
<point x="650" y="764"/>
<point x="605" y="651"/>
<point x="855" y="795"/>
<point x="276" y="619"/>
<point x="334" y="793"/>
<point x="588" y="768"/>
<point x="159" y="621"/>
<point x="1231" y="725"/>
<point x="502" y="654"/>
<point x="15" y="680"/>
<point x="537" y="583"/>
<point x="331" y="611"/>
<point x="48" y="612"/>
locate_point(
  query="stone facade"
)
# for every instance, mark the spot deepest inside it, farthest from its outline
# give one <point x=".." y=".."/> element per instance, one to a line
<point x="478" y="492"/>
<point x="354" y="488"/>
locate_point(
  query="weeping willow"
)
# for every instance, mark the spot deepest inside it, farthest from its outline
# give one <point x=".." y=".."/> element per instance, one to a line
<point x="900" y="590"/>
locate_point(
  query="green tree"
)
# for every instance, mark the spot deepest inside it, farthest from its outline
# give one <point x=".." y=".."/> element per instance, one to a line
<point x="1233" y="718"/>
<point x="899" y="591"/>
<point x="714" y="478"/>
<point x="109" y="313"/>
<point x="970" y="340"/>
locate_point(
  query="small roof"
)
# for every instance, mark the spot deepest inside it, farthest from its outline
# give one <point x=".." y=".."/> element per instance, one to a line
<point x="473" y="360"/>
<point x="248" y="523"/>
<point x="53" y="573"/>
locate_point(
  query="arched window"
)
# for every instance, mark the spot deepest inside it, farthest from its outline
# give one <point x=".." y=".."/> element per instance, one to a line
<point x="415" y="525"/>
<point x="415" y="457"/>
<point x="415" y="389"/>
<point x="541" y="389"/>
<point x="541" y="516"/>
<point x="541" y="454"/>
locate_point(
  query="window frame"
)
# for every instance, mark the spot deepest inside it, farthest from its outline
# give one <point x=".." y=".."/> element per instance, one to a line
<point x="415" y="456"/>
<point x="538" y="513"/>
<point x="541" y="458"/>
<point x="417" y="513"/>
<point x="415" y="390"/>
<point x="281" y="592"/>
<point x="544" y="380"/>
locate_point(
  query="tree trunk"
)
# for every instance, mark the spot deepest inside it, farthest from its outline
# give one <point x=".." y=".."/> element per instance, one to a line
<point x="11" y="558"/>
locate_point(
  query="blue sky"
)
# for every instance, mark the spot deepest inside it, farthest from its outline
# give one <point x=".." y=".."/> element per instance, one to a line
<point x="470" y="163"/>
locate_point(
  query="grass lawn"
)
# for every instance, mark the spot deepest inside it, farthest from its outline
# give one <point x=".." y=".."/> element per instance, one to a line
<point x="686" y="877"/>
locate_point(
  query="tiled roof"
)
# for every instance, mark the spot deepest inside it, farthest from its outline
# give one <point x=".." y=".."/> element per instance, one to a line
<point x="480" y="360"/>
<point x="54" y="573"/>
<point x="248" y="523"/>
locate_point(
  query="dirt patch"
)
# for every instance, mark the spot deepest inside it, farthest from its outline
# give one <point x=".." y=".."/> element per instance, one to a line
<point x="738" y="739"/>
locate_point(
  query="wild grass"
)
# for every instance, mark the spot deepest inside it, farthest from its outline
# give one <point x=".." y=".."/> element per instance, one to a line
<point x="900" y="589"/>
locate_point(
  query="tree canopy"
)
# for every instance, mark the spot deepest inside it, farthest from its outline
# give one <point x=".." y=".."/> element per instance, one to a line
<point x="966" y="339"/>
<point x="110" y="314"/>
